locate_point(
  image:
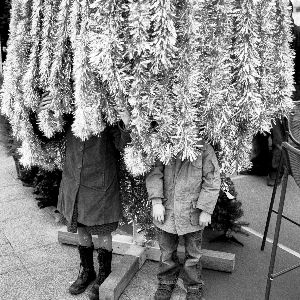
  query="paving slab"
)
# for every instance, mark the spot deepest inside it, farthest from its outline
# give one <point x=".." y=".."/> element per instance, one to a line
<point x="8" y="179"/>
<point x="53" y="254"/>
<point x="10" y="262"/>
<point x="3" y="238"/>
<point x="7" y="163"/>
<point x="18" y="191"/>
<point x="17" y="208"/>
<point x="6" y="249"/>
<point x="22" y="236"/>
<point x="143" y="285"/>
<point x="53" y="279"/>
<point x="52" y="283"/>
<point x="18" y="285"/>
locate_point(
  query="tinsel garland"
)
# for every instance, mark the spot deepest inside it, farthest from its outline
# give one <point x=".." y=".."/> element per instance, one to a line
<point x="187" y="70"/>
<point x="108" y="55"/>
<point x="57" y="71"/>
<point x="246" y="105"/>
<point x="184" y="112"/>
<point x="139" y="49"/>
<point x="152" y="50"/>
<point x="23" y="58"/>
<point x="211" y="76"/>
<point x="47" y="39"/>
<point x="88" y="117"/>
<point x="284" y="59"/>
<point x="164" y="116"/>
<point x="18" y="47"/>
<point x="31" y="79"/>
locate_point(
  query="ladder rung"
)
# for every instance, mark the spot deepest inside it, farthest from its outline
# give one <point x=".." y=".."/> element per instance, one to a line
<point x="285" y="217"/>
<point x="284" y="271"/>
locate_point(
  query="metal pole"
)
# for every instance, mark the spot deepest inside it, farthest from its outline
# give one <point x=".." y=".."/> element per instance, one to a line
<point x="276" y="234"/>
<point x="271" y="203"/>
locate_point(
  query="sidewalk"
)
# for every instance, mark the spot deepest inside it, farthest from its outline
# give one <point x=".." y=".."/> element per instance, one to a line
<point x="34" y="266"/>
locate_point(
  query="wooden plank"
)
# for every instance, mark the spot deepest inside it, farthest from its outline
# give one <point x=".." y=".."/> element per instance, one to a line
<point x="116" y="282"/>
<point x="65" y="237"/>
<point x="219" y="261"/>
<point x="121" y="243"/>
<point x="214" y="260"/>
<point x="139" y="252"/>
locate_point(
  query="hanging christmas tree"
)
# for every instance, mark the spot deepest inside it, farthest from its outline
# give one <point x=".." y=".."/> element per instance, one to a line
<point x="186" y="70"/>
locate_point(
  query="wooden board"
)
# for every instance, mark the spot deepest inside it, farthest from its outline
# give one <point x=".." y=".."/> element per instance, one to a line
<point x="213" y="260"/>
<point x="116" y="282"/>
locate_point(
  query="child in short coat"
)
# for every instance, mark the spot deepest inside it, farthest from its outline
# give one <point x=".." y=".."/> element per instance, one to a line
<point x="89" y="196"/>
<point x="183" y="196"/>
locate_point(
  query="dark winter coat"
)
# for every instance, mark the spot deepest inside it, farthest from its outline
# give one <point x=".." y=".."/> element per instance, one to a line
<point x="90" y="176"/>
<point x="185" y="189"/>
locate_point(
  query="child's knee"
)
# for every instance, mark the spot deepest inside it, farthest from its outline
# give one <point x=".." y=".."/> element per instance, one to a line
<point x="85" y="238"/>
<point x="104" y="241"/>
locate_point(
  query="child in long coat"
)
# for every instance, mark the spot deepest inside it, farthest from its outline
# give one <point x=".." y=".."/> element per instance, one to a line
<point x="183" y="196"/>
<point x="89" y="197"/>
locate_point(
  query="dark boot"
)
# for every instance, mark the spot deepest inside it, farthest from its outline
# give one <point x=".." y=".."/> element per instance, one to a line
<point x="104" y="259"/>
<point x="194" y="293"/>
<point x="87" y="272"/>
<point x="164" y="291"/>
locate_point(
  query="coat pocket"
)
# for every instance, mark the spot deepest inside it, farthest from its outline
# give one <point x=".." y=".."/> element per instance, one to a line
<point x="194" y="215"/>
<point x="93" y="179"/>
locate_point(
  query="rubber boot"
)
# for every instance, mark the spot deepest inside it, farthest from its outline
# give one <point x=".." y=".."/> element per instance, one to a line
<point x="164" y="291"/>
<point x="194" y="293"/>
<point x="86" y="273"/>
<point x="104" y="259"/>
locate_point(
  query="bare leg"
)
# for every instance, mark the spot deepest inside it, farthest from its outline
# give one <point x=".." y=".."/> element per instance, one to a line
<point x="104" y="241"/>
<point x="85" y="238"/>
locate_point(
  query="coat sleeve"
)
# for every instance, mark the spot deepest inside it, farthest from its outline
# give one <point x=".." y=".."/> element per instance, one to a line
<point x="211" y="181"/>
<point x="155" y="183"/>
<point x="121" y="136"/>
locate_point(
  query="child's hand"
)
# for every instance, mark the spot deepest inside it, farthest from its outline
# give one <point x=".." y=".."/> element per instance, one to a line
<point x="124" y="114"/>
<point x="45" y="103"/>
<point x="204" y="219"/>
<point x="159" y="212"/>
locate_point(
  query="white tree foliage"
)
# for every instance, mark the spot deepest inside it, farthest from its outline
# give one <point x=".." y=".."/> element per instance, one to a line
<point x="187" y="70"/>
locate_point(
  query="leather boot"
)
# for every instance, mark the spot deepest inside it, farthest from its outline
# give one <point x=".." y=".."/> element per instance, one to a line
<point x="86" y="273"/>
<point x="194" y="292"/>
<point x="164" y="291"/>
<point x="104" y="259"/>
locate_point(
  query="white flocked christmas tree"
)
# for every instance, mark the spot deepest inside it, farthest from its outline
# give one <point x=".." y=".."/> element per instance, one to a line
<point x="187" y="70"/>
